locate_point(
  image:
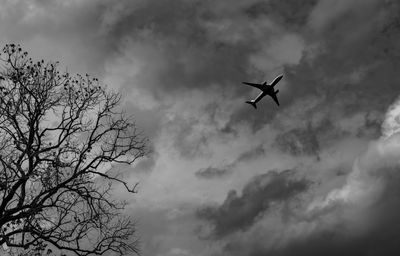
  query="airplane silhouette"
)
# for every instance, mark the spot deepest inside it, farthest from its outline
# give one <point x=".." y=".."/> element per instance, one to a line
<point x="267" y="89"/>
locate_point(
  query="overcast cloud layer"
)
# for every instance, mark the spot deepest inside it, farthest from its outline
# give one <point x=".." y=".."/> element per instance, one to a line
<point x="318" y="175"/>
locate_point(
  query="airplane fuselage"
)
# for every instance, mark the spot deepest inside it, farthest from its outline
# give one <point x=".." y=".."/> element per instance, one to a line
<point x="265" y="90"/>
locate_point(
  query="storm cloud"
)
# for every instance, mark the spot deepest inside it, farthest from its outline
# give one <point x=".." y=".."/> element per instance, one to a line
<point x="179" y="65"/>
<point x="239" y="212"/>
<point x="357" y="218"/>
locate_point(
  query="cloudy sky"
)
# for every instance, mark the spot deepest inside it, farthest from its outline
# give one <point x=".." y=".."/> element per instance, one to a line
<point x="318" y="175"/>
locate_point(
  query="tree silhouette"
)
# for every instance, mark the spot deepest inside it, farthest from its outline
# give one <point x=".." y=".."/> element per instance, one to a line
<point x="58" y="132"/>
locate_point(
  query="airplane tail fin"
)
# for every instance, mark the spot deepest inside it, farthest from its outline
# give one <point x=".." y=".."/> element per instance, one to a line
<point x="252" y="103"/>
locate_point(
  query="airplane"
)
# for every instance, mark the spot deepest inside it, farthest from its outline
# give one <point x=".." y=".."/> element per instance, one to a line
<point x="267" y="89"/>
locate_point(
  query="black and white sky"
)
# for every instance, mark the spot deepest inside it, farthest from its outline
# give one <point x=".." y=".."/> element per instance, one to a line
<point x="318" y="175"/>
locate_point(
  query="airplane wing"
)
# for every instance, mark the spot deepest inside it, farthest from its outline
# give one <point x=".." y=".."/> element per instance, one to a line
<point x="275" y="98"/>
<point x="276" y="80"/>
<point x="258" y="86"/>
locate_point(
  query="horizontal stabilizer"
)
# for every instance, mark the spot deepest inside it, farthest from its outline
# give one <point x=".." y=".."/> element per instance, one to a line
<point x="252" y="103"/>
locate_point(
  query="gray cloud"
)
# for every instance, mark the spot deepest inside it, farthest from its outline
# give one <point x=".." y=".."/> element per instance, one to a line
<point x="293" y="15"/>
<point x="310" y="138"/>
<point x="189" y="142"/>
<point x="342" y="54"/>
<point x="149" y="119"/>
<point x="181" y="45"/>
<point x="212" y="172"/>
<point x="369" y="231"/>
<point x="146" y="165"/>
<point x="53" y="30"/>
<point x="372" y="125"/>
<point x="240" y="212"/>
<point x="251" y="154"/>
<point x="190" y="45"/>
<point x="359" y="218"/>
<point x="171" y="47"/>
<point x="218" y="172"/>
<point x="180" y="55"/>
<point x="299" y="142"/>
<point x="351" y="65"/>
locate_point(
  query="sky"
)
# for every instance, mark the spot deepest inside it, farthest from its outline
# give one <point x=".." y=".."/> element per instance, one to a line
<point x="318" y="175"/>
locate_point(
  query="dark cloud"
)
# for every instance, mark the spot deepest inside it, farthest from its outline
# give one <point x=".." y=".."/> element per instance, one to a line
<point x="171" y="47"/>
<point x="185" y="45"/>
<point x="310" y="138"/>
<point x="198" y="124"/>
<point x="239" y="212"/>
<point x="161" y="230"/>
<point x="359" y="218"/>
<point x="252" y="154"/>
<point x="212" y="172"/>
<point x="351" y="63"/>
<point x="352" y="43"/>
<point x="217" y="172"/>
<point x="255" y="119"/>
<point x="150" y="119"/>
<point x="190" y="45"/>
<point x="372" y="125"/>
<point x="174" y="48"/>
<point x="181" y="54"/>
<point x="189" y="142"/>
<point x="378" y="236"/>
<point x="298" y="141"/>
<point x="289" y="13"/>
<point x="344" y="55"/>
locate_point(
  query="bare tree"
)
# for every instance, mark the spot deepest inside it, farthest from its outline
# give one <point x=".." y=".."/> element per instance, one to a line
<point x="57" y="134"/>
